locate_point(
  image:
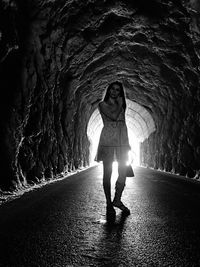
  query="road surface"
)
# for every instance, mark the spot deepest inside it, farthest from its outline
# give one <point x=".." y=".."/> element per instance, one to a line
<point x="64" y="224"/>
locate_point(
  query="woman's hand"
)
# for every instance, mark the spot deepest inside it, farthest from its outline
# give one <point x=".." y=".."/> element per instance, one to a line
<point x="120" y="101"/>
<point x="111" y="111"/>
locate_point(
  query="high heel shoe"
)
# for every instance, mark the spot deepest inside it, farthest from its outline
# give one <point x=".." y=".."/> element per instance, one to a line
<point x="121" y="206"/>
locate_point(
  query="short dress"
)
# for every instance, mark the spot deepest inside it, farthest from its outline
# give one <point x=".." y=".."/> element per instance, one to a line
<point x="113" y="142"/>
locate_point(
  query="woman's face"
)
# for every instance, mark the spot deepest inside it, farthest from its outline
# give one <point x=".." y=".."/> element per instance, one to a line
<point x="115" y="91"/>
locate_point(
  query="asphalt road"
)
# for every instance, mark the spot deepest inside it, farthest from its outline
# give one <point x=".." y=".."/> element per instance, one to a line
<point x="63" y="224"/>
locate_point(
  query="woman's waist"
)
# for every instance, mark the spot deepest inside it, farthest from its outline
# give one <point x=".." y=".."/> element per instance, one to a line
<point x="114" y="123"/>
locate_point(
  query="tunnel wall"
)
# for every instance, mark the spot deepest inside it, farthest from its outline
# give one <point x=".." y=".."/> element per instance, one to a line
<point x="42" y="134"/>
<point x="54" y="67"/>
<point x="175" y="146"/>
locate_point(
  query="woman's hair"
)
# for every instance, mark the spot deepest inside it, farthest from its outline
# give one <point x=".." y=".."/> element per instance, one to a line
<point x="122" y="94"/>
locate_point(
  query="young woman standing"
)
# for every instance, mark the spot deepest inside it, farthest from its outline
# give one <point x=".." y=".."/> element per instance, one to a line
<point x="114" y="144"/>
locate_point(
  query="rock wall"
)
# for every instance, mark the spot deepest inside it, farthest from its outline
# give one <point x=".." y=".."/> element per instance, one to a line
<point x="175" y="147"/>
<point x="57" y="58"/>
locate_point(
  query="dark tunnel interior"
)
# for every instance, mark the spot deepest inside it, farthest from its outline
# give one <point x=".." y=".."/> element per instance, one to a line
<point x="58" y="57"/>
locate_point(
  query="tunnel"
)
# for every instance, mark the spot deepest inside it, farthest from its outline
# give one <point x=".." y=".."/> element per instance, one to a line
<point x="57" y="59"/>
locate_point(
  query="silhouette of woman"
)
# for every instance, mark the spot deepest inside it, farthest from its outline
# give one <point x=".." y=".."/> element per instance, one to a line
<point x="113" y="144"/>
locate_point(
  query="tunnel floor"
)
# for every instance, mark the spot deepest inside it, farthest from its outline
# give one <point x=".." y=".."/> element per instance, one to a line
<point x="64" y="224"/>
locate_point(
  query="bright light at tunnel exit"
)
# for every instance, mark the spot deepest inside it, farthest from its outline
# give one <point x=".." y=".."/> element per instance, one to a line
<point x="134" y="153"/>
<point x="133" y="156"/>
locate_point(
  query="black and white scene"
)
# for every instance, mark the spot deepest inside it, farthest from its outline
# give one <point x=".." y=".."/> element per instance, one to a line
<point x="99" y="133"/>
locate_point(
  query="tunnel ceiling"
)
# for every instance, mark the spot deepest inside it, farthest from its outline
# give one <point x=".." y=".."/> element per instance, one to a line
<point x="67" y="52"/>
<point x="148" y="46"/>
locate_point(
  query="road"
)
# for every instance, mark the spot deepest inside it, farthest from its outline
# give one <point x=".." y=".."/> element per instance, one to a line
<point x="63" y="223"/>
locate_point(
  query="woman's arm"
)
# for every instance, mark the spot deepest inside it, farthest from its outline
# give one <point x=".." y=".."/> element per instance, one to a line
<point x="112" y="112"/>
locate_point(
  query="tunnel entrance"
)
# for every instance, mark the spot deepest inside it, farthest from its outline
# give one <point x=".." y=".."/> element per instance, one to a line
<point x="140" y="125"/>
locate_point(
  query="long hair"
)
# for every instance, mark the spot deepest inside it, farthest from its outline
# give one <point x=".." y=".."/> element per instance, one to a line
<point x="122" y="94"/>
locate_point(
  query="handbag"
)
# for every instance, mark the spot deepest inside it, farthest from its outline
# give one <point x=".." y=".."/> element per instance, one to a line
<point x="129" y="171"/>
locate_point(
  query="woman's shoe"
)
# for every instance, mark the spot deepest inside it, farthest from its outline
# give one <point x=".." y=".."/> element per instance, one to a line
<point x="121" y="206"/>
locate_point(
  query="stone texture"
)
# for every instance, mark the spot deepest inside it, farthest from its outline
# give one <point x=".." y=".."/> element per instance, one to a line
<point x="57" y="57"/>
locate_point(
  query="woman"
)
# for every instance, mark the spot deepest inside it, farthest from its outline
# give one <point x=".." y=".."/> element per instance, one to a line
<point x="114" y="144"/>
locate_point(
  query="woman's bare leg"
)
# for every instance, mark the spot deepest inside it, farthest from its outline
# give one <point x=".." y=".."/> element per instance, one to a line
<point x="107" y="171"/>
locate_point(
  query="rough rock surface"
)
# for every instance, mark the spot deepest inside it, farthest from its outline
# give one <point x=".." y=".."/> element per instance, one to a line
<point x="57" y="57"/>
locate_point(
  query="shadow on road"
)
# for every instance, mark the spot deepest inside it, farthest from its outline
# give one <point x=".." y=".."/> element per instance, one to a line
<point x="111" y="241"/>
<point x="115" y="223"/>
